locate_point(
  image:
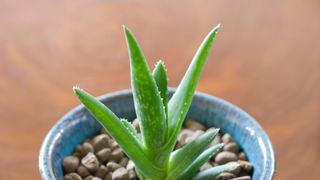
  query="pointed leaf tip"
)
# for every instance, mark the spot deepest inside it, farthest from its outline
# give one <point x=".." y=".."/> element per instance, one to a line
<point x="127" y="31"/>
<point x="124" y="27"/>
<point x="216" y="130"/>
<point x="161" y="61"/>
<point x="215" y="30"/>
<point x="76" y="89"/>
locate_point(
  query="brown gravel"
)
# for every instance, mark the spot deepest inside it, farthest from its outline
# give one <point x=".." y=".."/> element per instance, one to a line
<point x="100" y="158"/>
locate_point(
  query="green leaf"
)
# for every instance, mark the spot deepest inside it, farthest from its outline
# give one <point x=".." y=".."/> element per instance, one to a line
<point x="147" y="100"/>
<point x="130" y="128"/>
<point x="129" y="144"/>
<point x="183" y="157"/>
<point x="140" y="175"/>
<point x="202" y="159"/>
<point x="213" y="172"/>
<point x="181" y="100"/>
<point x="160" y="76"/>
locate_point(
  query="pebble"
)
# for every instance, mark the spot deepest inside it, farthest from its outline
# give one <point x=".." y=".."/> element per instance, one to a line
<point x="92" y="178"/>
<point x="216" y="140"/>
<point x="231" y="147"/>
<point x="112" y="166"/>
<point x="77" y="153"/>
<point x="104" y="154"/>
<point x="206" y="165"/>
<point x="225" y="176"/>
<point x="114" y="145"/>
<point x="132" y="175"/>
<point x="184" y="134"/>
<point x="103" y="131"/>
<point x="120" y="174"/>
<point x="100" y="142"/>
<point x="72" y="176"/>
<point x="84" y="149"/>
<point x="88" y="178"/>
<point x="102" y="171"/>
<point x="108" y="176"/>
<point x="83" y="171"/>
<point x="87" y="147"/>
<point x="96" y="178"/>
<point x="245" y="165"/>
<point x="226" y="138"/>
<point x="116" y="155"/>
<point x="124" y="161"/>
<point x="194" y="125"/>
<point x="135" y="124"/>
<point x="225" y="156"/>
<point x="194" y="136"/>
<point x="236" y="171"/>
<point x="242" y="156"/>
<point x="70" y="164"/>
<point x="242" y="178"/>
<point x="130" y="165"/>
<point x="91" y="162"/>
<point x="214" y="163"/>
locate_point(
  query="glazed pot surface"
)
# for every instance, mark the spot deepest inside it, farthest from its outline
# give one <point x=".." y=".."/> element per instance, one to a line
<point x="78" y="125"/>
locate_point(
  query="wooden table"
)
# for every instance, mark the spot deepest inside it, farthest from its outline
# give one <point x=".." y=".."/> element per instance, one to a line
<point x="266" y="59"/>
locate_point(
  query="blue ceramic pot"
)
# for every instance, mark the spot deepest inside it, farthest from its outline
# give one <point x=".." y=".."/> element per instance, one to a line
<point x="77" y="125"/>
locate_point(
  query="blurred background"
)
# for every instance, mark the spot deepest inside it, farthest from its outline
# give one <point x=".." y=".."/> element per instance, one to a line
<point x="266" y="60"/>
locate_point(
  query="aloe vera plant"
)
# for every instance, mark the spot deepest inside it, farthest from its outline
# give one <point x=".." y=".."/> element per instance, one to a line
<point x="160" y="119"/>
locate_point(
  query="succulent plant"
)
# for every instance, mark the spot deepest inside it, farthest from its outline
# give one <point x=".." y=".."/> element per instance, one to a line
<point x="160" y="119"/>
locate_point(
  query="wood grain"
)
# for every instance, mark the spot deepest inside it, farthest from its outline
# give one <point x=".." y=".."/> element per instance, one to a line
<point x="266" y="59"/>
